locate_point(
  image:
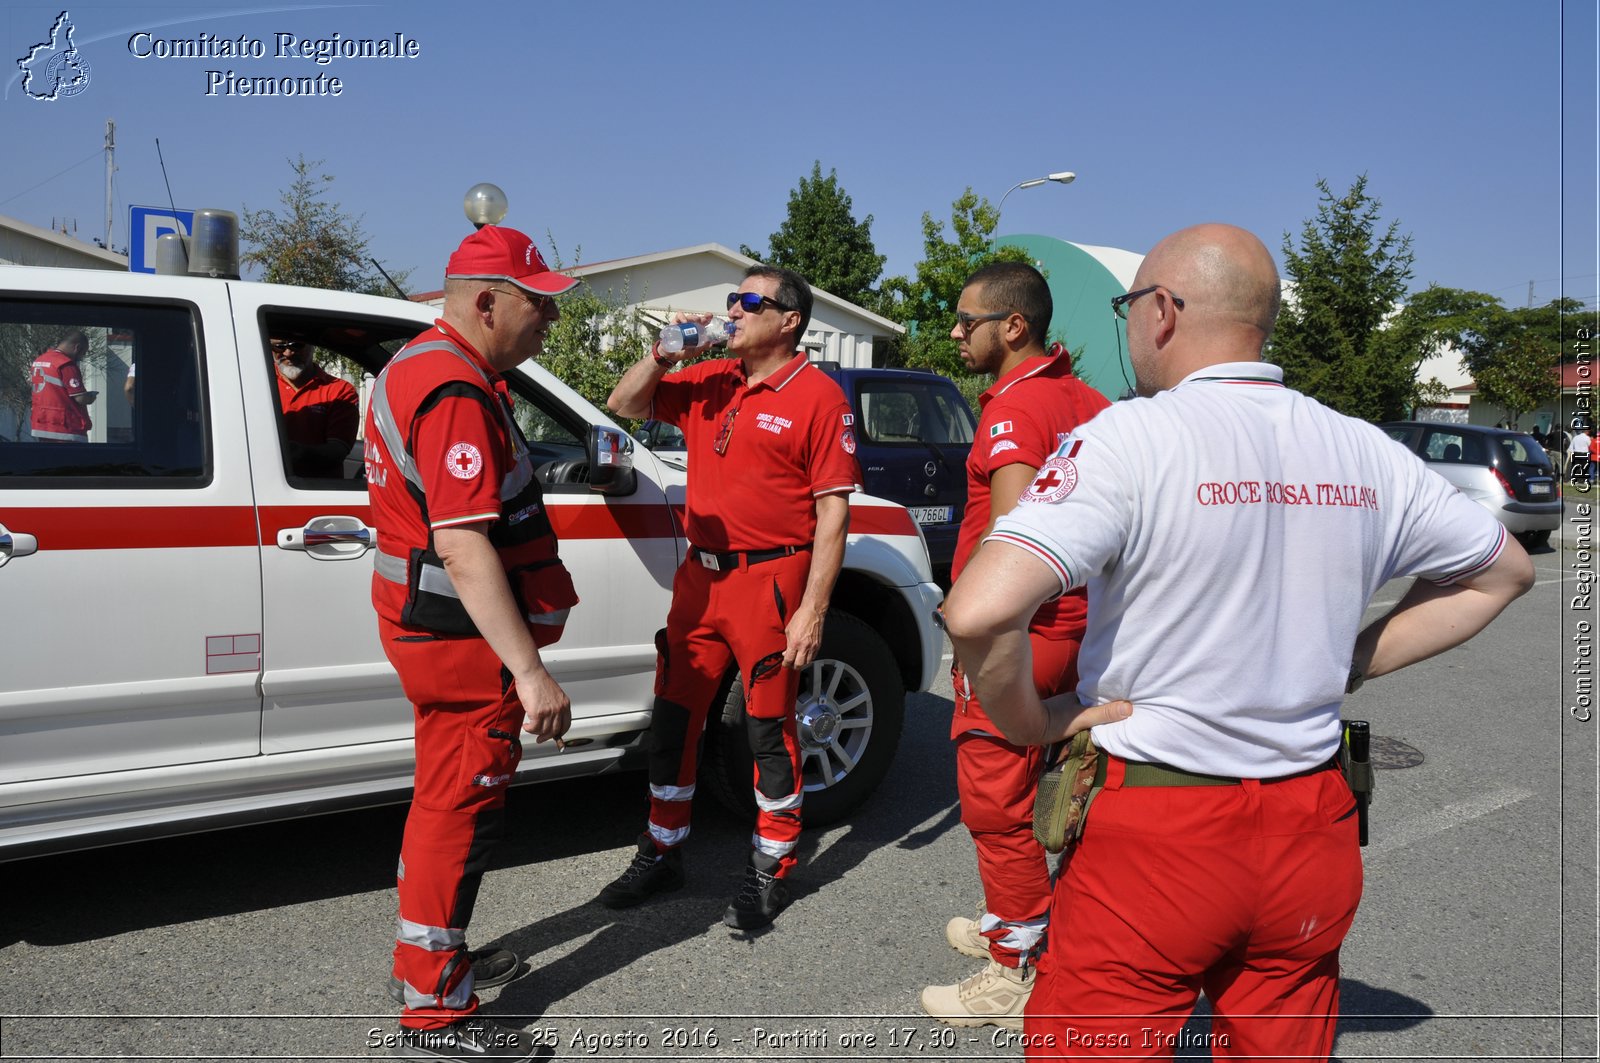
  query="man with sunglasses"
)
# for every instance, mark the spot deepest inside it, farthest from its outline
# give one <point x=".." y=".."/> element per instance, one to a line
<point x="320" y="411"/>
<point x="771" y="445"/>
<point x="1230" y="533"/>
<point x="468" y="585"/>
<point x="1002" y="319"/>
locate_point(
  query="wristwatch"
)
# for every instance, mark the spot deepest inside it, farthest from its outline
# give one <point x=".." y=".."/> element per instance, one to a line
<point x="1357" y="677"/>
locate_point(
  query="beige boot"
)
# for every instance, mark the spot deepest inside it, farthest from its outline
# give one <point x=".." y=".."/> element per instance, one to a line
<point x="963" y="935"/>
<point x="995" y="996"/>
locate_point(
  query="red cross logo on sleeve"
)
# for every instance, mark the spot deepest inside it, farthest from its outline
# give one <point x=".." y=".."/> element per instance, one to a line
<point x="464" y="461"/>
<point x="1055" y="481"/>
<point x="1047" y="482"/>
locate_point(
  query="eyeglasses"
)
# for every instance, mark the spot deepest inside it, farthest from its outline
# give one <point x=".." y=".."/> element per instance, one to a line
<point x="966" y="321"/>
<point x="1119" y="303"/>
<point x="752" y="302"/>
<point x="279" y="346"/>
<point x="725" y="433"/>
<point x="540" y="303"/>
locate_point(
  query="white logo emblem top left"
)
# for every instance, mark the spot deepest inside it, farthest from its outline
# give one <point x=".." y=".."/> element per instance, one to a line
<point x="54" y="69"/>
<point x="464" y="461"/>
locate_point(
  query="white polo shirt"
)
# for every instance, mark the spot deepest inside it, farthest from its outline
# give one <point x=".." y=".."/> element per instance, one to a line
<point x="1230" y="533"/>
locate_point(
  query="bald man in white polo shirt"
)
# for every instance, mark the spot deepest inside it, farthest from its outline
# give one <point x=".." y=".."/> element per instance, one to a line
<point x="1230" y="533"/>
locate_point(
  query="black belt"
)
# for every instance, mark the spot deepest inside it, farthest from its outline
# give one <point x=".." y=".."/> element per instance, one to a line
<point x="734" y="558"/>
<point x="1145" y="773"/>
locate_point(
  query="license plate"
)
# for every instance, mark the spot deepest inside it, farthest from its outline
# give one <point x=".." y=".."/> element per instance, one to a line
<point x="931" y="514"/>
<point x="1538" y="489"/>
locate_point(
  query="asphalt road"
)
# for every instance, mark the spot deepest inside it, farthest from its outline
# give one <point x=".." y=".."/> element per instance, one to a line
<point x="1475" y="937"/>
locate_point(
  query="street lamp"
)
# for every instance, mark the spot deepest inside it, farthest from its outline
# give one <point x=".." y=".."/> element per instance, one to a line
<point x="1065" y="177"/>
<point x="485" y="204"/>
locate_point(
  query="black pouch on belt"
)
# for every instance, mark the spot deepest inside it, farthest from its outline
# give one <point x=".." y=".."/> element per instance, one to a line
<point x="1065" y="790"/>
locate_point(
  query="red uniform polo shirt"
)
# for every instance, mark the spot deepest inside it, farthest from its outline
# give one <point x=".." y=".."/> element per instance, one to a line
<point x="318" y="407"/>
<point x="462" y="453"/>
<point x="1026" y="415"/>
<point x="789" y="440"/>
<point x="56" y="413"/>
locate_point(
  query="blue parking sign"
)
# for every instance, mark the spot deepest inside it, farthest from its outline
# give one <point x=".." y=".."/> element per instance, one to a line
<point x="148" y="223"/>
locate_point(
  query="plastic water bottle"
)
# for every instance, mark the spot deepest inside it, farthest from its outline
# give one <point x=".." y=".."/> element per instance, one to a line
<point x="675" y="338"/>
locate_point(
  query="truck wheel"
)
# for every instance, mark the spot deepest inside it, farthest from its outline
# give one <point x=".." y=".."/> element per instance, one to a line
<point x="848" y="715"/>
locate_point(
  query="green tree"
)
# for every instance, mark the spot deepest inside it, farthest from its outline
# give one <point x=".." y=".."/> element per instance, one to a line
<point x="821" y="239"/>
<point x="1513" y="355"/>
<point x="926" y="303"/>
<point x="312" y="242"/>
<point x="598" y="336"/>
<point x="1348" y="277"/>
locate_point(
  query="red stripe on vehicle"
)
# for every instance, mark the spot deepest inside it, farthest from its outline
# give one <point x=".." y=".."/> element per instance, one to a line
<point x="134" y="527"/>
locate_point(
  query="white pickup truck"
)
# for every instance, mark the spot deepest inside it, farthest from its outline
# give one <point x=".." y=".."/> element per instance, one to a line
<point x="189" y="639"/>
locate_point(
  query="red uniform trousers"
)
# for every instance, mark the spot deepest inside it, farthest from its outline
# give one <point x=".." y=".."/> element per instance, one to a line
<point x="468" y="740"/>
<point x="1245" y="892"/>
<point x="997" y="782"/>
<point x="720" y="618"/>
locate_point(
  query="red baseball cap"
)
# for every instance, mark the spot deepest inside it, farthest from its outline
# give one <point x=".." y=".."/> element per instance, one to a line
<point x="495" y="253"/>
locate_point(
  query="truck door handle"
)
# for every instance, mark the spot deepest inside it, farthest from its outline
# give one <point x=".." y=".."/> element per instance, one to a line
<point x="332" y="538"/>
<point x="16" y="544"/>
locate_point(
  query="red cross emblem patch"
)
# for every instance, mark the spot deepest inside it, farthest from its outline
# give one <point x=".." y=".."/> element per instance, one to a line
<point x="464" y="461"/>
<point x="1055" y="480"/>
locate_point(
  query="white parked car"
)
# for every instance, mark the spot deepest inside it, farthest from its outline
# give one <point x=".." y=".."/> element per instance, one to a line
<point x="190" y="640"/>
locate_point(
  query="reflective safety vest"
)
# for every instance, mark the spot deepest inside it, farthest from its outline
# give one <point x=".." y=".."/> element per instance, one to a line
<point x="522" y="534"/>
<point x="56" y="413"/>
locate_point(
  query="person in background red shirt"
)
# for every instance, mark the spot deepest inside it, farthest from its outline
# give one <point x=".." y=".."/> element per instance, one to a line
<point x="320" y="411"/>
<point x="59" y="396"/>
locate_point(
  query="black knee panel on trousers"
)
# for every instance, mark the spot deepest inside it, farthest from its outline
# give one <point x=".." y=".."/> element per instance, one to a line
<point x="669" y="730"/>
<point x="488" y="827"/>
<point x="774" y="774"/>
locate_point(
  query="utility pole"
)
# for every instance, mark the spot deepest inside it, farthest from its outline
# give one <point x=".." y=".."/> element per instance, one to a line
<point x="111" y="168"/>
<point x="1530" y="295"/>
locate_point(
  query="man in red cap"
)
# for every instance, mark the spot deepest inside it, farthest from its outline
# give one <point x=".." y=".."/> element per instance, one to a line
<point x="467" y="587"/>
<point x="771" y="448"/>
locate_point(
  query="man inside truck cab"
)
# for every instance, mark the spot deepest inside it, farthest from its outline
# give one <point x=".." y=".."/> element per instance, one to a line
<point x="320" y="411"/>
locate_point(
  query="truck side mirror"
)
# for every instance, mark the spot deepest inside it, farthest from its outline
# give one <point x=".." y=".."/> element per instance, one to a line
<point x="610" y="461"/>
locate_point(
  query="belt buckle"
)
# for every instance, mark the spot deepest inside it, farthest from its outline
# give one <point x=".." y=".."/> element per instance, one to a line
<point x="710" y="561"/>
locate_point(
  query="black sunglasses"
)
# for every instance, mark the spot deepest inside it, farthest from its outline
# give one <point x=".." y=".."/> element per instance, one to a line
<point x="1119" y="303"/>
<point x="966" y="321"/>
<point x="752" y="302"/>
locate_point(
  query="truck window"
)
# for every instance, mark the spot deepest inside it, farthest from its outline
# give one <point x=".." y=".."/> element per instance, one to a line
<point x="110" y="391"/>
<point x="555" y="439"/>
<point x="333" y="359"/>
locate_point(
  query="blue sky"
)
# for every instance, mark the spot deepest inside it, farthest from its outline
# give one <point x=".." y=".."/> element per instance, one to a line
<point x="624" y="128"/>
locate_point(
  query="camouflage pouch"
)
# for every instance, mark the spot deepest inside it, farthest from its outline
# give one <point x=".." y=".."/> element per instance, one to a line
<point x="1065" y="791"/>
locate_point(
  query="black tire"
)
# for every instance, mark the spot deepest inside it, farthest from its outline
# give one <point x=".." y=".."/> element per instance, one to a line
<point x="1534" y="540"/>
<point x="847" y="738"/>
